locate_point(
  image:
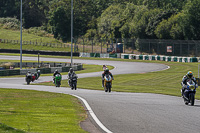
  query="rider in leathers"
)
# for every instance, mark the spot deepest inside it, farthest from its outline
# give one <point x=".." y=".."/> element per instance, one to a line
<point x="106" y="71"/>
<point x="185" y="79"/>
<point x="71" y="73"/>
<point x="54" y="74"/>
<point x="28" y="74"/>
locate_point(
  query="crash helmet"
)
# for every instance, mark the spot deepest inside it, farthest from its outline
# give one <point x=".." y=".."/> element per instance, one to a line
<point x="29" y="71"/>
<point x="71" y="70"/>
<point x="38" y="70"/>
<point x="106" y="70"/>
<point x="56" y="71"/>
<point x="190" y="74"/>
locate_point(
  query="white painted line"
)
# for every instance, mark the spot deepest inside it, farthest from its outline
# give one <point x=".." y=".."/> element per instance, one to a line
<point x="92" y="114"/>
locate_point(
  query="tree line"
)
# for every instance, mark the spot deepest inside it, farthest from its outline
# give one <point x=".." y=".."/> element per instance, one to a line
<point x="144" y="19"/>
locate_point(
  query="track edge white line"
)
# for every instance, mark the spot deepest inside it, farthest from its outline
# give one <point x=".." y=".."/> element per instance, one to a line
<point x="93" y="114"/>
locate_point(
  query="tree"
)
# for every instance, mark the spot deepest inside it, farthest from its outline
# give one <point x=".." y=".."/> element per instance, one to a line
<point x="111" y="21"/>
<point x="33" y="16"/>
<point x="154" y="21"/>
<point x="60" y="23"/>
<point x="192" y="11"/>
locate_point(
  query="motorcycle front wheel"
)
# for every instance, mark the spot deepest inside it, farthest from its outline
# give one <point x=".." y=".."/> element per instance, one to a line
<point x="192" y="99"/>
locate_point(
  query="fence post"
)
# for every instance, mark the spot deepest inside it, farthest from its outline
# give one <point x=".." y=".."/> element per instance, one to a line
<point x="101" y="45"/>
<point x="83" y="44"/>
<point x="181" y="49"/>
<point x="124" y="45"/>
<point x="92" y="45"/>
<point x="149" y="47"/>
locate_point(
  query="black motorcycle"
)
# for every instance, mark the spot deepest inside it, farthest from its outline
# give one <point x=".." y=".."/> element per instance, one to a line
<point x="107" y="83"/>
<point x="189" y="93"/>
<point x="73" y="82"/>
<point x="28" y="78"/>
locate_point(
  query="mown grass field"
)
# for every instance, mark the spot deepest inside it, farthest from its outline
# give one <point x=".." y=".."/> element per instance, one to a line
<point x="35" y="111"/>
<point x="15" y="35"/>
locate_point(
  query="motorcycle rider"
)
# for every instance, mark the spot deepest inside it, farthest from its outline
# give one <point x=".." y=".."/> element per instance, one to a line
<point x="28" y="75"/>
<point x="188" y="76"/>
<point x="106" y="71"/>
<point x="104" y="67"/>
<point x="71" y="74"/>
<point x="38" y="71"/>
<point x="54" y="74"/>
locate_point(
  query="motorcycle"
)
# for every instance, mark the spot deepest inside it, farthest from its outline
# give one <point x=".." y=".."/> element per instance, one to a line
<point x="189" y="93"/>
<point x="28" y="78"/>
<point x="37" y="75"/>
<point x="107" y="83"/>
<point x="73" y="82"/>
<point x="58" y="79"/>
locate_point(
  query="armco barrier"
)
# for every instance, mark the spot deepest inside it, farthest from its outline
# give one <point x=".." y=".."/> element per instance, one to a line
<point x="41" y="52"/>
<point x="5" y="72"/>
<point x="52" y="69"/>
<point x="66" y="69"/>
<point x="13" y="72"/>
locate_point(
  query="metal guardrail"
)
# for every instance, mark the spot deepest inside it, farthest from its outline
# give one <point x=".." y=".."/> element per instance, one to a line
<point x="64" y="68"/>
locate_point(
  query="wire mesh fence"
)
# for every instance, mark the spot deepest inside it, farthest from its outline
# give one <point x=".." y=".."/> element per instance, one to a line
<point x="123" y="45"/>
<point x="35" y="43"/>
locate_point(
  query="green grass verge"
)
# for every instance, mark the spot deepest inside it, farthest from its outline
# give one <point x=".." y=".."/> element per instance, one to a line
<point x="161" y="82"/>
<point x="35" y="111"/>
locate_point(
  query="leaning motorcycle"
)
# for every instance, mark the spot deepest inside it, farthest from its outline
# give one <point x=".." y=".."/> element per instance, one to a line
<point x="73" y="82"/>
<point x="189" y="93"/>
<point x="107" y="83"/>
<point x="37" y="75"/>
<point x="58" y="79"/>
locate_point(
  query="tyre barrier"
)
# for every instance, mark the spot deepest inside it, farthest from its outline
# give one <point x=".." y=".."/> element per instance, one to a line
<point x="143" y="57"/>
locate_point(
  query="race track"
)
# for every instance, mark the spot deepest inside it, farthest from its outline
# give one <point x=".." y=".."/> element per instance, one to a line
<point x="125" y="112"/>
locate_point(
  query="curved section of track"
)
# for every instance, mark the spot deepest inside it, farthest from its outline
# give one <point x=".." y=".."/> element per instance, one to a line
<point x="126" y="112"/>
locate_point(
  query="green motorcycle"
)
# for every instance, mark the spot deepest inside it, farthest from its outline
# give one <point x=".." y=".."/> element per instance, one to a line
<point x="58" y="79"/>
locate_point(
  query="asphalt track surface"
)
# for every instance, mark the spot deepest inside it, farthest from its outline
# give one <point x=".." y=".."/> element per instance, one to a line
<point x="125" y="112"/>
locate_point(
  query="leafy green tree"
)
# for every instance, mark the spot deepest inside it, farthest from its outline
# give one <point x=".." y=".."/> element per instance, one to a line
<point x="139" y="22"/>
<point x="192" y="11"/>
<point x="60" y="23"/>
<point x="111" y="21"/>
<point x="9" y="8"/>
<point x="33" y="16"/>
<point x="154" y="21"/>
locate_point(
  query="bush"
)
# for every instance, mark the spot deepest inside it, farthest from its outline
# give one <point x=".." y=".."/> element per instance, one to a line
<point x="10" y="23"/>
<point x="7" y="65"/>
